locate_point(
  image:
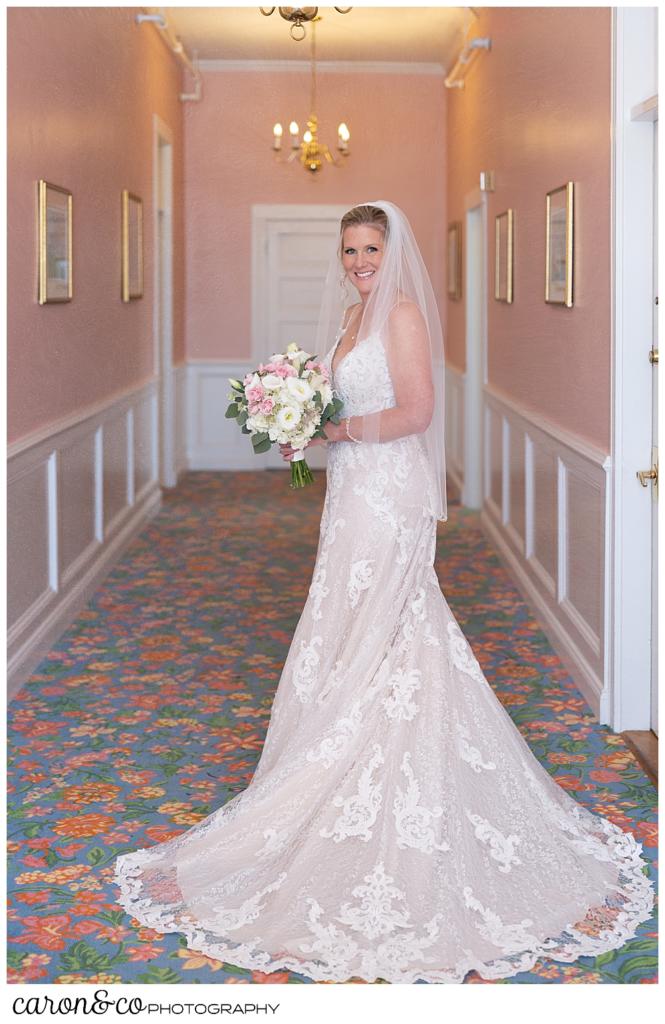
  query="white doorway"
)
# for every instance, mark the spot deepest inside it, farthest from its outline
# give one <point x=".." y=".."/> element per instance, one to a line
<point x="655" y="462"/>
<point x="163" y="304"/>
<point x="475" y="290"/>
<point x="633" y="540"/>
<point x="291" y="247"/>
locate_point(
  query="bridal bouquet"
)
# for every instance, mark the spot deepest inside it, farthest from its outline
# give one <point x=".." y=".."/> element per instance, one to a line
<point x="287" y="400"/>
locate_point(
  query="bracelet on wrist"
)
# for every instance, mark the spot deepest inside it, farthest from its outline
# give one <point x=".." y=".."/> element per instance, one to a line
<point x="348" y="433"/>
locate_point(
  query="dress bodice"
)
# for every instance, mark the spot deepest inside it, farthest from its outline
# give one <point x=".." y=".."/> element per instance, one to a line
<point x="362" y="379"/>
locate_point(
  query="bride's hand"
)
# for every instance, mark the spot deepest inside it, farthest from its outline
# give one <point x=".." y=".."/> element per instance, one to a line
<point x="287" y="451"/>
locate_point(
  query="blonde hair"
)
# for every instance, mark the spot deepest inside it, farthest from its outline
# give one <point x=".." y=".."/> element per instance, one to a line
<point x="372" y="215"/>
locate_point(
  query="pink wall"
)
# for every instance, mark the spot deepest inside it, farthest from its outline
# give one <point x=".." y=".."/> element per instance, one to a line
<point x="83" y="83"/>
<point x="397" y="125"/>
<point x="536" y="110"/>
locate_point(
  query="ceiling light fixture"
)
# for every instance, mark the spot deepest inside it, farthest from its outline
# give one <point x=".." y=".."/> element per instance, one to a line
<point x="311" y="152"/>
<point x="298" y="16"/>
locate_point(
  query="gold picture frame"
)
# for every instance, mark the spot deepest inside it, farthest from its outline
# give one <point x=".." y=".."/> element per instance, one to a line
<point x="455" y="260"/>
<point x="54" y="276"/>
<point x="132" y="246"/>
<point x="503" y="256"/>
<point x="559" y="245"/>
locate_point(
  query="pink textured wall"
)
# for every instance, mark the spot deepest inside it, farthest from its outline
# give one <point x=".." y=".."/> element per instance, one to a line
<point x="83" y="83"/>
<point x="397" y="125"/>
<point x="536" y="110"/>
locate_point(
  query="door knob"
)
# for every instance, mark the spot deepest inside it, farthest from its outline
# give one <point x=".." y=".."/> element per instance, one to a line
<point x="647" y="474"/>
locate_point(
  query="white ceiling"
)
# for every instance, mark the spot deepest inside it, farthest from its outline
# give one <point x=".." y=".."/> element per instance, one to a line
<point x="422" y="34"/>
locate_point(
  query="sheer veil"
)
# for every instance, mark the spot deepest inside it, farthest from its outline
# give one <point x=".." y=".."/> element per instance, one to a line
<point x="412" y="340"/>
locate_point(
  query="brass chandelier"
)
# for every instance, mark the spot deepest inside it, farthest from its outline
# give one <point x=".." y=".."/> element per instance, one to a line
<point x="298" y="16"/>
<point x="311" y="152"/>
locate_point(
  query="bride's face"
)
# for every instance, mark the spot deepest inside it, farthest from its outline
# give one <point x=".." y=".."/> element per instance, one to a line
<point x="362" y="252"/>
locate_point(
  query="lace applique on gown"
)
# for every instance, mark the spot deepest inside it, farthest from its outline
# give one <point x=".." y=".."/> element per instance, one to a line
<point x="397" y="825"/>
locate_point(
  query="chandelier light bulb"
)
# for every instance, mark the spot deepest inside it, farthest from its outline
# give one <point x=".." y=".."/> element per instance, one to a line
<point x="307" y="137"/>
<point x="277" y="136"/>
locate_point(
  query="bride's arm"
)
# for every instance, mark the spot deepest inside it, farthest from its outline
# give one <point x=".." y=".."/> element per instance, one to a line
<point x="409" y="363"/>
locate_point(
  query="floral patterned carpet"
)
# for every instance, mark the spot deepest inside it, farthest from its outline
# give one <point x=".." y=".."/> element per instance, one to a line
<point x="150" y="712"/>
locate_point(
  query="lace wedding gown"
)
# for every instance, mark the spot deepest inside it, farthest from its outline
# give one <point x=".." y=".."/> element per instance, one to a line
<point x="397" y="825"/>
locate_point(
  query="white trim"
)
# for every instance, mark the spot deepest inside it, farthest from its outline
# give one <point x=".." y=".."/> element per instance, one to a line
<point x="52" y="515"/>
<point x="382" y="67"/>
<point x="162" y="308"/>
<point x="121" y="399"/>
<point x="628" y="618"/>
<point x="645" y="111"/>
<point x="574" y="442"/>
<point x="475" y="274"/>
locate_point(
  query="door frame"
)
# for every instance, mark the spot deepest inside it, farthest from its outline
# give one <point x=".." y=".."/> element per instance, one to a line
<point x="628" y="551"/>
<point x="475" y="373"/>
<point x="162" y="310"/>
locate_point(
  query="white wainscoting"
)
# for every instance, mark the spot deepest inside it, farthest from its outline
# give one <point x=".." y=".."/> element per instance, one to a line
<point x="77" y="492"/>
<point x="214" y="442"/>
<point x="546" y="509"/>
<point x="180" y="386"/>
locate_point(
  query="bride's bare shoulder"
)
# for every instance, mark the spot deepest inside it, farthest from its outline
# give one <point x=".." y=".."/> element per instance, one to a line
<point x="406" y="313"/>
<point x="348" y="313"/>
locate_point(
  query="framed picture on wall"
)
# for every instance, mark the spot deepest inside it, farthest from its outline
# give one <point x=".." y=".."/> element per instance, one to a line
<point x="55" y="242"/>
<point x="455" y="260"/>
<point x="503" y="256"/>
<point x="132" y="246"/>
<point x="559" y="245"/>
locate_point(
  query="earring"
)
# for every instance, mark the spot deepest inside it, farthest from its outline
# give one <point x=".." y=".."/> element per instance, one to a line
<point x="343" y="282"/>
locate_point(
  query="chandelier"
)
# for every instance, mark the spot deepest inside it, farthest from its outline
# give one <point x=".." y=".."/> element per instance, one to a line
<point x="310" y="151"/>
<point x="298" y="16"/>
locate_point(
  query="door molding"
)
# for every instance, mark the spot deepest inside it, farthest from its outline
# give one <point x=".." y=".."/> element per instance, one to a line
<point x="475" y="376"/>
<point x="628" y="593"/>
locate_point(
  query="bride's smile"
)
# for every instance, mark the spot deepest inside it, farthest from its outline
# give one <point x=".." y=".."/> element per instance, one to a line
<point x="362" y="252"/>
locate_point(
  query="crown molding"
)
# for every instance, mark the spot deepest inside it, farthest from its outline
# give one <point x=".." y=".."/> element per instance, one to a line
<point x="385" y="67"/>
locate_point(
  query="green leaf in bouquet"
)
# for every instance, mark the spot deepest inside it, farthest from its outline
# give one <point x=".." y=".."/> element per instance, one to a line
<point x="242" y="417"/>
<point x="263" y="446"/>
<point x="245" y="429"/>
<point x="259" y="436"/>
<point x="232" y="411"/>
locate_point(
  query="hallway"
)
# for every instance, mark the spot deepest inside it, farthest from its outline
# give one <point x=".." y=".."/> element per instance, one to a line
<point x="151" y="709"/>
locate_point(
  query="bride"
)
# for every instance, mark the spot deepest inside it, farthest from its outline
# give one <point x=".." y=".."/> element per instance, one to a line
<point x="397" y="826"/>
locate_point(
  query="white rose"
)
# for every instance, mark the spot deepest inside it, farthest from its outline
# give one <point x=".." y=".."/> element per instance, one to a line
<point x="288" y="417"/>
<point x="271" y="381"/>
<point x="298" y="388"/>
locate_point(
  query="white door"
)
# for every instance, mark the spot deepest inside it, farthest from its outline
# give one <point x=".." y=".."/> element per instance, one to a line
<point x="654" y="459"/>
<point x="292" y="246"/>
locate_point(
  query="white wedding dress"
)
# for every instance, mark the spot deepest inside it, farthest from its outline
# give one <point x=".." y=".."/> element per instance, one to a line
<point x="397" y="826"/>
